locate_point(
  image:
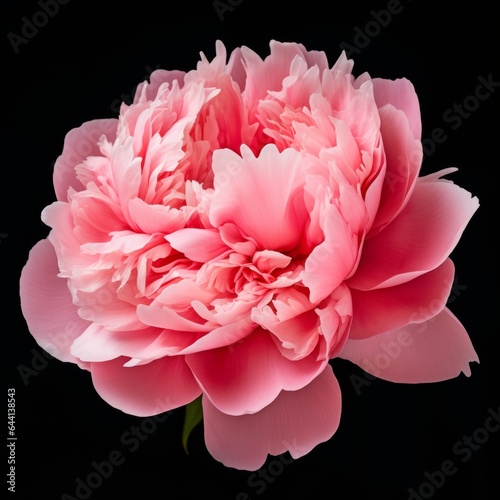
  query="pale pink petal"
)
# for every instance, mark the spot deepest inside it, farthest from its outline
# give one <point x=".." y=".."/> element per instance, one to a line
<point x="401" y="94"/>
<point x="198" y="245"/>
<point x="100" y="344"/>
<point x="155" y="218"/>
<point x="435" y="350"/>
<point x="263" y="196"/>
<point x="164" y="317"/>
<point x="121" y="242"/>
<point x="80" y="143"/>
<point x="47" y="305"/>
<point x="295" y="421"/>
<point x="221" y="336"/>
<point x="419" y="239"/>
<point x="59" y="217"/>
<point x="250" y="374"/>
<point x="385" y="309"/>
<point x="145" y="390"/>
<point x="183" y="293"/>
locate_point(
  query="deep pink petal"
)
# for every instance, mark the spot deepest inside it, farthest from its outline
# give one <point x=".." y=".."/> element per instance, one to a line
<point x="80" y="143"/>
<point x="435" y="350"/>
<point x="385" y="309"/>
<point x="295" y="421"/>
<point x="246" y="376"/>
<point x="419" y="239"/>
<point x="145" y="390"/>
<point x="47" y="304"/>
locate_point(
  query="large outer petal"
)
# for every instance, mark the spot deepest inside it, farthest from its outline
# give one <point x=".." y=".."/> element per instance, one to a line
<point x="47" y="305"/>
<point x="435" y="350"/>
<point x="403" y="160"/>
<point x="295" y="421"/>
<point x="419" y="239"/>
<point x="384" y="309"/>
<point x="145" y="390"/>
<point x="80" y="143"/>
<point x="247" y="376"/>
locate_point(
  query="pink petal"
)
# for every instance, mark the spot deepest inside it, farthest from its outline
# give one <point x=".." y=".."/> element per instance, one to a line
<point x="198" y="245"/>
<point x="246" y="376"/>
<point x="295" y="421"/>
<point x="296" y="337"/>
<point x="267" y="260"/>
<point x="435" y="350"/>
<point x="149" y="90"/>
<point x="221" y="336"/>
<point x="385" y="309"/>
<point x="403" y="160"/>
<point x="419" y="239"/>
<point x="80" y="143"/>
<point x="401" y="94"/>
<point x="145" y="390"/>
<point x="331" y="261"/>
<point x="268" y="74"/>
<point x="47" y="305"/>
<point x="263" y="196"/>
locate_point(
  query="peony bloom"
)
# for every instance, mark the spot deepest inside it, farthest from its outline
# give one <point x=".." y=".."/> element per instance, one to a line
<point x="236" y="228"/>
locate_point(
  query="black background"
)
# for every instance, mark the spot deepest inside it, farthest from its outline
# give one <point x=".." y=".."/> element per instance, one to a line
<point x="87" y="58"/>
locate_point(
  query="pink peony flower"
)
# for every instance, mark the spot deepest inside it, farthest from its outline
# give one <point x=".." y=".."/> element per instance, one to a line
<point x="236" y="228"/>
